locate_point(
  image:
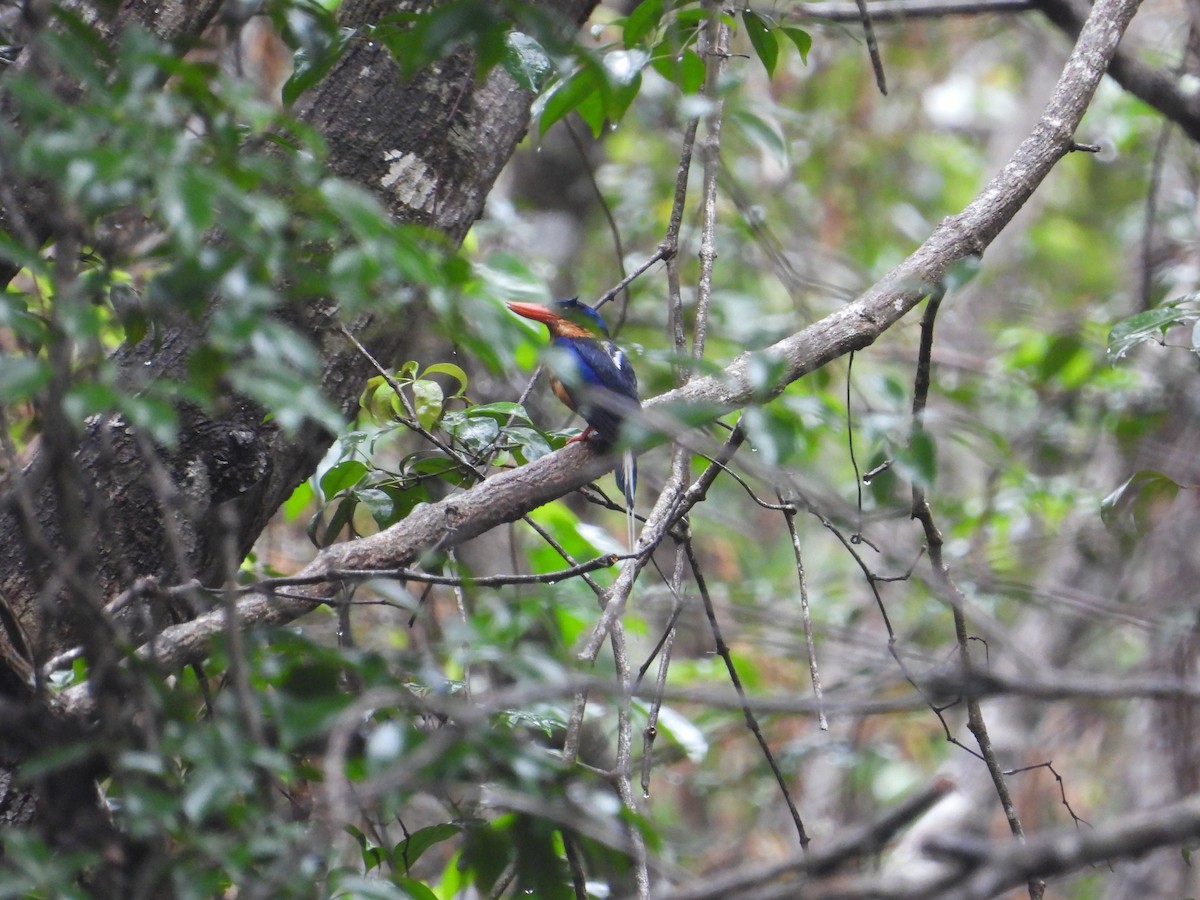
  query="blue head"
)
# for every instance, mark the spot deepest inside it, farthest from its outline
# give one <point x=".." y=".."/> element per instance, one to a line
<point x="581" y="314"/>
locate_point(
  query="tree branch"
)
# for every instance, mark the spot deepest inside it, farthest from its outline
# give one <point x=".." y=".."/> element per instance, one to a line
<point x="859" y="842"/>
<point x="900" y="10"/>
<point x="430" y="162"/>
<point x="509" y="495"/>
<point x="1165" y="90"/>
<point x="999" y="867"/>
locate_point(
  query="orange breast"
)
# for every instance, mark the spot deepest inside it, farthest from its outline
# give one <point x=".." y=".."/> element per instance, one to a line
<point x="560" y="391"/>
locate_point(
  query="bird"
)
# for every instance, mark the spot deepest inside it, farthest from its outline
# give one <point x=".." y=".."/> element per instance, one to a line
<point x="592" y="376"/>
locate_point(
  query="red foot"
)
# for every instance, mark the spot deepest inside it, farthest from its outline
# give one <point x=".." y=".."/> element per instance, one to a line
<point x="582" y="436"/>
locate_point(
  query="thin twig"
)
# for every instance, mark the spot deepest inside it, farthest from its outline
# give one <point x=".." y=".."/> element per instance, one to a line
<point x="922" y="512"/>
<point x="669" y="248"/>
<point x="899" y="10"/>
<point x="855" y="844"/>
<point x="650" y="732"/>
<point x="789" y="516"/>
<point x="853" y="326"/>
<point x="1048" y="765"/>
<point x="1156" y="173"/>
<point x="670" y="508"/>
<point x="606" y="209"/>
<point x="573" y="739"/>
<point x="858" y="482"/>
<point x="717" y="50"/>
<point x="411" y="420"/>
<point x="460" y="603"/>
<point x="657" y="256"/>
<point x="751" y="720"/>
<point x="872" y="46"/>
<point x="405" y="574"/>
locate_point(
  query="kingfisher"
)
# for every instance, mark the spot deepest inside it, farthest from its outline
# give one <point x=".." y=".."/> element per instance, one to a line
<point x="593" y="377"/>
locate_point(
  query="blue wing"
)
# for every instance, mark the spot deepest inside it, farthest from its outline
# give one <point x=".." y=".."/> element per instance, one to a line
<point x="602" y="385"/>
<point x="599" y="383"/>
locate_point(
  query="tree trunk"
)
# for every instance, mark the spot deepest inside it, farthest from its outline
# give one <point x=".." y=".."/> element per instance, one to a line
<point x="89" y="516"/>
<point x="430" y="148"/>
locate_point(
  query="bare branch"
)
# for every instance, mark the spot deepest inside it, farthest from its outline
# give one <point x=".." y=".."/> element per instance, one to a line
<point x="1163" y="89"/>
<point x="861" y="841"/>
<point x="1002" y="866"/>
<point x="509" y="495"/>
<point x="899" y="10"/>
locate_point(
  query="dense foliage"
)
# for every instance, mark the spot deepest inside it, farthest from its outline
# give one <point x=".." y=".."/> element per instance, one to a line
<point x="423" y="732"/>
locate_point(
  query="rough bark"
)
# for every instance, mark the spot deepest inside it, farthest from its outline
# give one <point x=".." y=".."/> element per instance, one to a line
<point x="1169" y="92"/>
<point x="430" y="148"/>
<point x="508" y="495"/>
<point x="85" y="518"/>
<point x="26" y="212"/>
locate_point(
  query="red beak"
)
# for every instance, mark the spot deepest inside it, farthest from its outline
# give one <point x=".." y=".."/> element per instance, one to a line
<point x="535" y="311"/>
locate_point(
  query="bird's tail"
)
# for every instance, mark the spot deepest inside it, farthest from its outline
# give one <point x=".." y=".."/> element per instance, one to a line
<point x="626" y="476"/>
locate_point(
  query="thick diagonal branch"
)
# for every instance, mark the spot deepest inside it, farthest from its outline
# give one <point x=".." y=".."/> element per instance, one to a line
<point x="509" y="495"/>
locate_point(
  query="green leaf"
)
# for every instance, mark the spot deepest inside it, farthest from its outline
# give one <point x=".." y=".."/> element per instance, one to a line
<point x="409" y="850"/>
<point x="1148" y="326"/>
<point x="343" y="512"/>
<point x="568" y="94"/>
<point x="416" y="890"/>
<point x="624" y="71"/>
<point x="453" y="371"/>
<point x="685" y="70"/>
<point x="1068" y="361"/>
<point x="509" y="276"/>
<point x="641" y="21"/>
<point x="801" y="38"/>
<point x="623" y="67"/>
<point x="593" y="109"/>
<point x="311" y="64"/>
<point x="405" y="500"/>
<point x="151" y="414"/>
<point x="417" y="39"/>
<point x="378" y="399"/>
<point x="290" y="400"/>
<point x="345" y="474"/>
<point x="1135" y="503"/>
<point x="762" y="39"/>
<point x="438" y="466"/>
<point x="17" y="253"/>
<point x="918" y="460"/>
<point x="880" y="477"/>
<point x="772" y="432"/>
<point x="357" y="208"/>
<point x="526" y="61"/>
<point x="155" y="416"/>
<point x="531" y="443"/>
<point x="502" y="410"/>
<point x="429" y="402"/>
<point x="380" y="504"/>
<point x="22" y="377"/>
<point x="48" y="761"/>
<point x="298" y="502"/>
<point x="763" y="133"/>
<point x="350" y="885"/>
<point x="679" y="729"/>
<point x="476" y="433"/>
<point x="186" y="198"/>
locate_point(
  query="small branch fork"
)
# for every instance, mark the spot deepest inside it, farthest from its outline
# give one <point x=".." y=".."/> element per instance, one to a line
<point x="947" y="587"/>
<point x="508" y="496"/>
